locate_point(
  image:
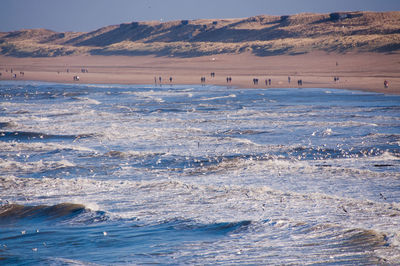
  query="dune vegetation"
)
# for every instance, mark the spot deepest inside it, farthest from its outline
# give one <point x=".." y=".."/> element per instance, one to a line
<point x="261" y="35"/>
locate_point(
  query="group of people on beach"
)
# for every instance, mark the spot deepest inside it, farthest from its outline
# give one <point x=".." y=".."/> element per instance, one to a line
<point x="268" y="81"/>
<point x="14" y="75"/>
<point x="228" y="79"/>
<point x="160" y="80"/>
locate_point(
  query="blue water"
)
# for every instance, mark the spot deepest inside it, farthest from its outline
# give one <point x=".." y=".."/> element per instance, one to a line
<point x="129" y="174"/>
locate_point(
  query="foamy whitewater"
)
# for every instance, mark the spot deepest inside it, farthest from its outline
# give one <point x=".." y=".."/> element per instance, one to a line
<point x="109" y="174"/>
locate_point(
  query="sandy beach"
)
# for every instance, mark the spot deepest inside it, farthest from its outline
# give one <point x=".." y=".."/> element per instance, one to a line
<point x="358" y="71"/>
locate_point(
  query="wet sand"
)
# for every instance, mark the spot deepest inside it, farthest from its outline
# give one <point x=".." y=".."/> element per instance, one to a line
<point x="365" y="71"/>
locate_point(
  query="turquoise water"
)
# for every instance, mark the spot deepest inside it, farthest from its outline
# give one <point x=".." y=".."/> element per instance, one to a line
<point x="118" y="174"/>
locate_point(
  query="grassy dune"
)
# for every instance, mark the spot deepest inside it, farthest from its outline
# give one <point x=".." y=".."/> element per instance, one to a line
<point x="260" y="35"/>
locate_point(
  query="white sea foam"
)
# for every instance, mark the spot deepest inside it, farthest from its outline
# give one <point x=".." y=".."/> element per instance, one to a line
<point x="87" y="100"/>
<point x="219" y="97"/>
<point x="213" y="202"/>
<point x="7" y="146"/>
<point x="33" y="167"/>
<point x="299" y="173"/>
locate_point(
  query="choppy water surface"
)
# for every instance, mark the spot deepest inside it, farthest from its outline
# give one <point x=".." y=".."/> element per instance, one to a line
<point x="197" y="175"/>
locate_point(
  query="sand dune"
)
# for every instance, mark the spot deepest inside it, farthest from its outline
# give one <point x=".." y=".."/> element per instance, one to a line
<point x="260" y="35"/>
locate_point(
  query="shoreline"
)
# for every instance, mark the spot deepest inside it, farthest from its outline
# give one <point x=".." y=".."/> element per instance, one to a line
<point x="365" y="72"/>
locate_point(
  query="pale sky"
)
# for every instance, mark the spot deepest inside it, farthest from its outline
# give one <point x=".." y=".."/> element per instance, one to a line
<point x="87" y="15"/>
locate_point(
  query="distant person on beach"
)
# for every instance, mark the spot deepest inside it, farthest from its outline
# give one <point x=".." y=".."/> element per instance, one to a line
<point x="269" y="82"/>
<point x="170" y="79"/>
<point x="386" y="84"/>
<point x="288" y="79"/>
<point x="159" y="78"/>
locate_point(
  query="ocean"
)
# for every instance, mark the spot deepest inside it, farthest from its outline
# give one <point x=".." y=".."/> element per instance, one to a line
<point x="199" y="175"/>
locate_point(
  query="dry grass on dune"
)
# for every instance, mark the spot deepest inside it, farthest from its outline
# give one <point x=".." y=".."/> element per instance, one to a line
<point x="341" y="44"/>
<point x="260" y="35"/>
<point x="34" y="49"/>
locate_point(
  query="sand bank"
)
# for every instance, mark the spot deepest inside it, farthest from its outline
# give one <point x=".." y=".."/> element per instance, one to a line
<point x="365" y="71"/>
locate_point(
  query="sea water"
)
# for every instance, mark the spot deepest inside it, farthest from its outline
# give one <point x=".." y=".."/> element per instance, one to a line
<point x="114" y="174"/>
